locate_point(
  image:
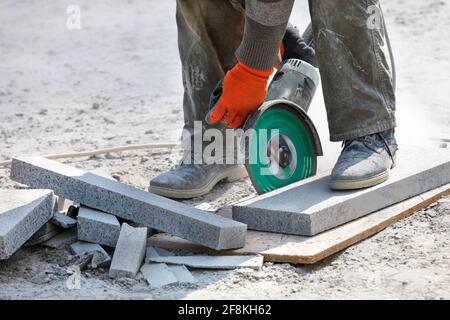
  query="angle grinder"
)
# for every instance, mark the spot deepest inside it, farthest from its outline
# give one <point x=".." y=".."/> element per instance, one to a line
<point x="279" y="141"/>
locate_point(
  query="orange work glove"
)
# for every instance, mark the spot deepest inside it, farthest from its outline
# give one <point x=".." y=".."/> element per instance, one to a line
<point x="278" y="66"/>
<point x="282" y="50"/>
<point x="244" y="90"/>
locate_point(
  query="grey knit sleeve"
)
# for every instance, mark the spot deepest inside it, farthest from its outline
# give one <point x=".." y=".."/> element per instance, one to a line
<point x="265" y="25"/>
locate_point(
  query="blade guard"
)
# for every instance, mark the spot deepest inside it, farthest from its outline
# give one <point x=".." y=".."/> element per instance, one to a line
<point x="295" y="81"/>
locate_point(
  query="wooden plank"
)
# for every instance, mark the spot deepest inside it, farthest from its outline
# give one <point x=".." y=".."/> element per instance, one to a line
<point x="308" y="250"/>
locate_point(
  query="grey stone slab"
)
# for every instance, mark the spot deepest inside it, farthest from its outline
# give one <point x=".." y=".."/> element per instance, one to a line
<point x="158" y="274"/>
<point x="81" y="247"/>
<point x="161" y="271"/>
<point x="22" y="214"/>
<point x="182" y="274"/>
<point x="156" y="252"/>
<point x="63" y="221"/>
<point x="130" y="203"/>
<point x="129" y="253"/>
<point x="62" y="240"/>
<point x="102" y="172"/>
<point x="310" y="207"/>
<point x="150" y="231"/>
<point x="46" y="232"/>
<point x="150" y="252"/>
<point x="100" y="259"/>
<point x="212" y="262"/>
<point x="98" y="227"/>
<point x="163" y="252"/>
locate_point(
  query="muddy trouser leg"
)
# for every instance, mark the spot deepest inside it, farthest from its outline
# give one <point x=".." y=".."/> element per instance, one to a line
<point x="355" y="69"/>
<point x="209" y="32"/>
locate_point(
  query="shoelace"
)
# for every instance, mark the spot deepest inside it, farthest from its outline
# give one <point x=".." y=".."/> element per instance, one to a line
<point x="388" y="148"/>
<point x="367" y="142"/>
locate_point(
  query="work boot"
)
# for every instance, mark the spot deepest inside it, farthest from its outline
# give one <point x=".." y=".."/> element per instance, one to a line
<point x="194" y="180"/>
<point x="365" y="162"/>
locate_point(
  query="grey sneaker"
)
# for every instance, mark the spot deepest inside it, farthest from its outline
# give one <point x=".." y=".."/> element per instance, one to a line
<point x="194" y="180"/>
<point x="365" y="162"/>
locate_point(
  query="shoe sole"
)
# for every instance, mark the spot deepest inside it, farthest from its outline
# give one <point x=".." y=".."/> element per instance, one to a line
<point x="362" y="183"/>
<point x="229" y="175"/>
<point x="359" y="183"/>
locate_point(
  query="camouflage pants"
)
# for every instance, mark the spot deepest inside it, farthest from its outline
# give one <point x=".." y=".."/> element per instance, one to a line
<point x="350" y="42"/>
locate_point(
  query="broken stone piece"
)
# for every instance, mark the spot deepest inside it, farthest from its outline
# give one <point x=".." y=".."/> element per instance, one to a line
<point x="129" y="253"/>
<point x="22" y="214"/>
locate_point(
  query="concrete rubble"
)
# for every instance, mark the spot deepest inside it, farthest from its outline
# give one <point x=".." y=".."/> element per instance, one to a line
<point x="84" y="230"/>
<point x="62" y="239"/>
<point x="46" y="232"/>
<point x="96" y="211"/>
<point x="63" y="221"/>
<point x="160" y="274"/>
<point x="100" y="257"/>
<point x="129" y="203"/>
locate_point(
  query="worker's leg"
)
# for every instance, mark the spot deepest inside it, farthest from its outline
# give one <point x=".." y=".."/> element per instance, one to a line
<point x="354" y="67"/>
<point x="209" y="32"/>
<point x="357" y="81"/>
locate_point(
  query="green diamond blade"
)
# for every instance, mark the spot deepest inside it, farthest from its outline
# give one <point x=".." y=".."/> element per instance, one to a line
<point x="275" y="122"/>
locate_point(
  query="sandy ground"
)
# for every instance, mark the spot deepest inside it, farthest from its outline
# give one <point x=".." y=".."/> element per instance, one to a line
<point x="117" y="81"/>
